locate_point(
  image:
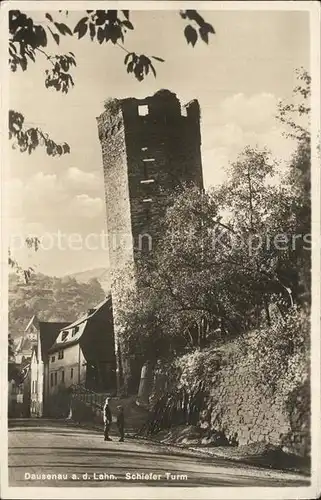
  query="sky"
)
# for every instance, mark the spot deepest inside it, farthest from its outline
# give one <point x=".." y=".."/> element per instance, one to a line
<point x="238" y="79"/>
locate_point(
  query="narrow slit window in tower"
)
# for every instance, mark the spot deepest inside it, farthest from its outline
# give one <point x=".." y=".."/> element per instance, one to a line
<point x="146" y="161"/>
<point x="147" y="181"/>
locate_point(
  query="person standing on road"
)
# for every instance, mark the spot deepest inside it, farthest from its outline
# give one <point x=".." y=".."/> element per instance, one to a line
<point x="121" y="422"/>
<point x="107" y="420"/>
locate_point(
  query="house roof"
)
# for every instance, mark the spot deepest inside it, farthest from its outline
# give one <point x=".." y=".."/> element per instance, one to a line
<point x="26" y="345"/>
<point x="34" y="321"/>
<point x="81" y="324"/>
<point x="87" y="316"/>
<point x="49" y="331"/>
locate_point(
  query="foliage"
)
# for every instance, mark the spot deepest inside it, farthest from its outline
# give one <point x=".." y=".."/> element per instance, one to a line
<point x="262" y="218"/>
<point x="288" y="113"/>
<point x="281" y="352"/>
<point x="58" y="76"/>
<point x="169" y="298"/>
<point x="204" y="28"/>
<point x="199" y="366"/>
<point x="206" y="280"/>
<point x="297" y="185"/>
<point x="52" y="299"/>
<point x="28" y="40"/>
<point x="112" y="106"/>
<point x="15" y="373"/>
<point x="14" y="370"/>
<point x="211" y="278"/>
<point x="10" y="347"/>
<point x="295" y="216"/>
<point x="28" y="139"/>
<point x="275" y="356"/>
<point x="271" y="363"/>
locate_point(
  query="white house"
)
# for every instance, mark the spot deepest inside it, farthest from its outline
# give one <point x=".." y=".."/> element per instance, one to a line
<point x="46" y="335"/>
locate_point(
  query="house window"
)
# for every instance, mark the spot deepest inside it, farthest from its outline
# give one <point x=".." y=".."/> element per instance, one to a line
<point x="64" y="336"/>
<point x="51" y="379"/>
<point x="53" y="358"/>
<point x="75" y="330"/>
<point x="71" y="373"/>
<point x="62" y="376"/>
<point x="60" y="354"/>
<point x="143" y="110"/>
<point x="55" y="378"/>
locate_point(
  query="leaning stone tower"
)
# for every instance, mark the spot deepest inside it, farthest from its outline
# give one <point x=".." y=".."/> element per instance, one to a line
<point x="149" y="147"/>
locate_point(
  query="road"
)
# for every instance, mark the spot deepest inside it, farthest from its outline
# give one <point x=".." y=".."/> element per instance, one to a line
<point x="71" y="456"/>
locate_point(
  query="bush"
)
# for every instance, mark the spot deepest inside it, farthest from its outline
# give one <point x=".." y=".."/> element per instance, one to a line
<point x="281" y="352"/>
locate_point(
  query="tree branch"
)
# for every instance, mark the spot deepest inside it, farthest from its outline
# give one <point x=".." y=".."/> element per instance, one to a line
<point x="45" y="53"/>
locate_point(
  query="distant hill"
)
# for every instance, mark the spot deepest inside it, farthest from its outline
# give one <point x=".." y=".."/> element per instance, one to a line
<point x="51" y="298"/>
<point x="101" y="274"/>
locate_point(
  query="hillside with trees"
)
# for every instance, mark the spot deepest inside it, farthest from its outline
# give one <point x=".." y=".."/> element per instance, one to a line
<point x="51" y="298"/>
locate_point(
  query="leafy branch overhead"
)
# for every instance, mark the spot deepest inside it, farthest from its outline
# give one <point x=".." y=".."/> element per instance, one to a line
<point x="29" y="39"/>
<point x="140" y="65"/>
<point x="111" y="26"/>
<point x="204" y="28"/>
<point x="28" y="139"/>
<point x="58" y="76"/>
<point x="104" y="25"/>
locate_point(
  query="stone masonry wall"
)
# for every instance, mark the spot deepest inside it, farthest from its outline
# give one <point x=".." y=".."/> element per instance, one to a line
<point x="241" y="404"/>
<point x="118" y="215"/>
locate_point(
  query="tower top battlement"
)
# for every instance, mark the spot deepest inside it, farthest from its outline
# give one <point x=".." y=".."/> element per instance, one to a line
<point x="162" y="105"/>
